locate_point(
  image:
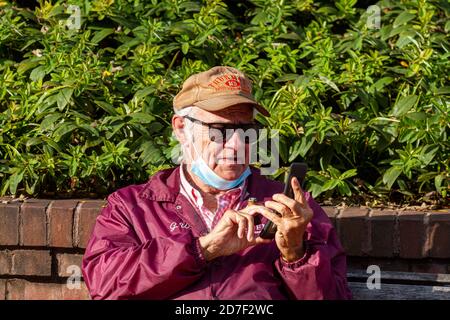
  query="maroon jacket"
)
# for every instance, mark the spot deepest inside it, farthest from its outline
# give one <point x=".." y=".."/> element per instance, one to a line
<point x="145" y="246"/>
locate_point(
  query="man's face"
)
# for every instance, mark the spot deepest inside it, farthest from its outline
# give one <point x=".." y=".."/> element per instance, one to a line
<point x="227" y="158"/>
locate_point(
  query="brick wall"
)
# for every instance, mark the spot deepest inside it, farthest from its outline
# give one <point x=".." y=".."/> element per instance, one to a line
<point x="42" y="243"/>
<point x="41" y="246"/>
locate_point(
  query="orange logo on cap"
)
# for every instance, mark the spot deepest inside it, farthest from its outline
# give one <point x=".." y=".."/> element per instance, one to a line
<point x="233" y="83"/>
<point x="230" y="82"/>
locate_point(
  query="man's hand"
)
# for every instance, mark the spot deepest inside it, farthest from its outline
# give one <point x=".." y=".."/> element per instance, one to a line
<point x="291" y="225"/>
<point x="233" y="233"/>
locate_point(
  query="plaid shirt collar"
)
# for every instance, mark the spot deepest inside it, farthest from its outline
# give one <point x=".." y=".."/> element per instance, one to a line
<point x="231" y="199"/>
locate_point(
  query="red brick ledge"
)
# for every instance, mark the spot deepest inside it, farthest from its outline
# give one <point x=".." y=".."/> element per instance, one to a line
<point x="48" y="223"/>
<point x="366" y="232"/>
<point x="362" y="231"/>
<point x="41" y="241"/>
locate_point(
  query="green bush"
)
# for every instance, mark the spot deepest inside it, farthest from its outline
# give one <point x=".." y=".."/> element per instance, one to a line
<point x="86" y="111"/>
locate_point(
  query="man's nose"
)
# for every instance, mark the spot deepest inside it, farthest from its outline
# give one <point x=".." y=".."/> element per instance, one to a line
<point x="236" y="140"/>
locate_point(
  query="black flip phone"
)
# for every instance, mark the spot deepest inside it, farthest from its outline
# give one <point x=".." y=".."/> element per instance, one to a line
<point x="298" y="170"/>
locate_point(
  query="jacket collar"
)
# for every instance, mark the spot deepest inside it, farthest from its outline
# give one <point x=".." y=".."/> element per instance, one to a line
<point x="163" y="186"/>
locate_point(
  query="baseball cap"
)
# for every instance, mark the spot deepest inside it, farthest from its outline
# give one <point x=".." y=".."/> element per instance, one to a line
<point x="216" y="89"/>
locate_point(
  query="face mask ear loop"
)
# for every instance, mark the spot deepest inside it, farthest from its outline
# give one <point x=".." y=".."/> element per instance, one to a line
<point x="191" y="138"/>
<point x="195" y="148"/>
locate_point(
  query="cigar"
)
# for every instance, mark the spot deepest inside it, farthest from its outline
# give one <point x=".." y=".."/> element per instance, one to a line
<point x="252" y="202"/>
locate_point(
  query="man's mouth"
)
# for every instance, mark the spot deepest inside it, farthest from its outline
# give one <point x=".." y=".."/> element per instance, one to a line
<point x="228" y="160"/>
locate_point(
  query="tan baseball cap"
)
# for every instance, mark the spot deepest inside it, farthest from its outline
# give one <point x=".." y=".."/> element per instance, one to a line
<point x="218" y="88"/>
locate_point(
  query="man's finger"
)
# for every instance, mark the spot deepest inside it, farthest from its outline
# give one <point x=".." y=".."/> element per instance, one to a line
<point x="298" y="192"/>
<point x="250" y="225"/>
<point x="250" y="228"/>
<point x="289" y="202"/>
<point x="242" y="224"/>
<point x="260" y="240"/>
<point x="270" y="215"/>
<point x="279" y="207"/>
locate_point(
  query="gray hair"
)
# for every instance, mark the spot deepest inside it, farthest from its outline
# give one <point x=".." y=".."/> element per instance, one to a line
<point x="188" y="125"/>
<point x="188" y="128"/>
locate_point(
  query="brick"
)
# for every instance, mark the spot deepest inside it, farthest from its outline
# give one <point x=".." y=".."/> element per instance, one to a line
<point x="34" y="225"/>
<point x="26" y="290"/>
<point x="5" y="262"/>
<point x="2" y="289"/>
<point x="68" y="264"/>
<point x="382" y="224"/>
<point x="353" y="231"/>
<point x="85" y="216"/>
<point x="438" y="236"/>
<point x="9" y="223"/>
<point x="31" y="262"/>
<point x="60" y="215"/>
<point x="81" y="293"/>
<point x="430" y="267"/>
<point x="412" y="233"/>
<point x="332" y="213"/>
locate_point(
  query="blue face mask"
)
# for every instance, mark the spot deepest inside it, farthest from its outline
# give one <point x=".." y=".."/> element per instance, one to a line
<point x="201" y="169"/>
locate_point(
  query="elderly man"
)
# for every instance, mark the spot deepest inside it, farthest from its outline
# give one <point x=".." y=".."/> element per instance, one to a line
<point x="188" y="233"/>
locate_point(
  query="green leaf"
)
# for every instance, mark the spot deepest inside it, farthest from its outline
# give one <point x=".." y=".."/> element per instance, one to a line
<point x="403" y="18"/>
<point x="50" y="121"/>
<point x="37" y="74"/>
<point x="14" y="181"/>
<point x="306" y="144"/>
<point x="330" y="184"/>
<point x="391" y="175"/>
<point x="141" y="117"/>
<point x="259" y="18"/>
<point x="447" y="26"/>
<point x="140" y="94"/>
<point x="344" y="189"/>
<point x="381" y="83"/>
<point x="102" y="34"/>
<point x="315" y="189"/>
<point x="329" y="83"/>
<point x="33" y="141"/>
<point x="428" y="153"/>
<point x="107" y="107"/>
<point x="348" y="174"/>
<point x="438" y="181"/>
<point x="150" y="154"/>
<point x="418" y="116"/>
<point x="63" y="97"/>
<point x="28" y="64"/>
<point x="93" y="132"/>
<point x="403" y="105"/>
<point x="64" y="129"/>
<point x="287" y="77"/>
<point x="185" y="48"/>
<point x="52" y="143"/>
<point x="426" y="176"/>
<point x="443" y="91"/>
<point x="335" y="174"/>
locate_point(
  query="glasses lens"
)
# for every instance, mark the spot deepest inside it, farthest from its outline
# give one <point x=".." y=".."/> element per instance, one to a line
<point x="247" y="132"/>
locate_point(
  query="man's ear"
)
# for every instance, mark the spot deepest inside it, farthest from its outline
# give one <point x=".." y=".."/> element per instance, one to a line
<point x="178" y="128"/>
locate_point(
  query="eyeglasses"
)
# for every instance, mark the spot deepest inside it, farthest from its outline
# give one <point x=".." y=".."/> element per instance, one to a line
<point x="218" y="130"/>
